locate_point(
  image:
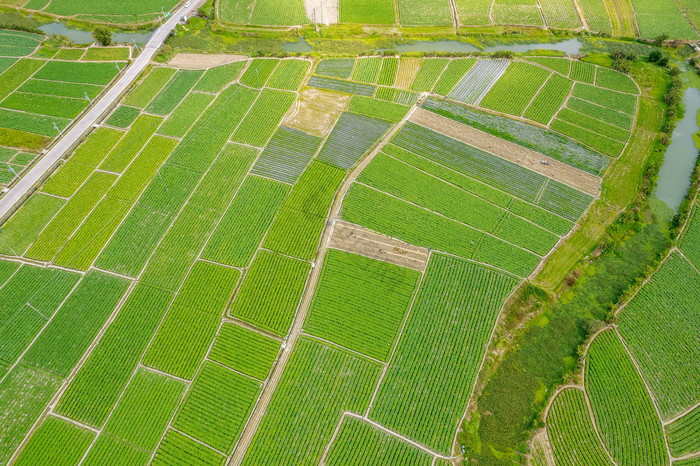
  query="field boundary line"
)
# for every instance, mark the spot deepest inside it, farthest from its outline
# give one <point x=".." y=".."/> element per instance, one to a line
<point x="649" y="392"/>
<point x="74" y="422"/>
<point x="679" y="251"/>
<point x="644" y="283"/>
<point x="478" y="182"/>
<point x="195" y="440"/>
<point x="253" y="328"/>
<point x="246" y="437"/>
<point x="680" y="415"/>
<point x="675" y="2"/>
<point x="344" y="348"/>
<point x="450" y="218"/>
<point x="233" y="370"/>
<point x="398" y="337"/>
<point x="505" y="209"/>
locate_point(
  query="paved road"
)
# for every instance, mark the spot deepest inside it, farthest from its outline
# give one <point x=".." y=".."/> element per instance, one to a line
<point x="24" y="187"/>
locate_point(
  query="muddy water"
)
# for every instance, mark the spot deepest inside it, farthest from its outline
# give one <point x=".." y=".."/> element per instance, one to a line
<point x="679" y="162"/>
<point x="79" y="36"/>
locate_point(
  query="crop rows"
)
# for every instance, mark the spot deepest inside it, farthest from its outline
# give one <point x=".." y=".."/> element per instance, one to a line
<point x="583" y="72"/>
<point x="216" y="78"/>
<point x="690" y="242"/>
<point x="185" y="115"/>
<point x="62" y="107"/>
<point x="429" y="73"/>
<point x="131" y="144"/>
<point x="177" y="448"/>
<point x="147" y="89"/>
<point x="564" y="200"/>
<point x="571" y="432"/>
<point x="106" y="448"/>
<point x="144" y="410"/>
<point x="611" y="79"/>
<point x="377" y="108"/>
<point x="289" y="74"/>
<point x="662" y="16"/>
<point x="408" y="69"/>
<point x="336" y="67"/>
<point x="296" y="229"/>
<point x="217" y="406"/>
<point x="244" y="351"/>
<point x="258" y="72"/>
<point x="452" y="75"/>
<point x="624" y="412"/>
<point x="683" y="434"/>
<point x="358" y="443"/>
<point x="360" y="303"/>
<point x="528" y="79"/>
<point x="614" y="100"/>
<point x="25" y="225"/>
<point x="560" y="65"/>
<point x="536" y="214"/>
<point x="658" y="327"/>
<point x="96" y="387"/>
<point x="352" y="137"/>
<point x="560" y="14"/>
<point x="401" y="180"/>
<point x="60" y="89"/>
<point x="428" y="383"/>
<point x="608" y="115"/>
<point x="394" y="217"/>
<point x="477" y="82"/>
<point x="549" y="100"/>
<point x="320" y="379"/>
<point x="271" y="292"/>
<point x="123" y="116"/>
<point x="243" y="226"/>
<point x="367" y="70"/>
<point x="387" y="74"/>
<point x="537" y="139"/>
<point x="173" y="92"/>
<point x="597" y="141"/>
<point x="425" y="13"/>
<point x="397" y="95"/>
<point x="594" y="125"/>
<point x="263" y="117"/>
<point x="188" y="329"/>
<point x="56" y="442"/>
<point x="286" y="155"/>
<point x="337" y="85"/>
<point x="524" y="12"/>
<point x="596" y="15"/>
<point x="37" y="124"/>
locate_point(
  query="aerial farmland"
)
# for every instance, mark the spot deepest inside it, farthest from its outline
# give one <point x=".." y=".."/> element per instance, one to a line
<point x="217" y="249"/>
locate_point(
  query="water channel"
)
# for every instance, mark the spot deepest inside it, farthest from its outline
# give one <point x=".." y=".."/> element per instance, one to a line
<point x="79" y="36"/>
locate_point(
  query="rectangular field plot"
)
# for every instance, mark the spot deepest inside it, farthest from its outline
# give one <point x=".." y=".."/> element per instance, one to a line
<point x="336" y="67"/>
<point x="56" y="442"/>
<point x="217" y="406"/>
<point x="546" y="142"/>
<point x="690" y="241"/>
<point x="428" y="383"/>
<point x="286" y="155"/>
<point x="582" y="72"/>
<point x="289" y="74"/>
<point x="360" y="303"/>
<point x="24" y="227"/>
<point x="367" y="69"/>
<point x="185" y="115"/>
<point x="623" y="410"/>
<point x="560" y="14"/>
<point x="271" y="292"/>
<point x="62" y="107"/>
<point x="216" y="78"/>
<point x="549" y="100"/>
<point x="560" y="65"/>
<point x="425" y="13"/>
<point x="145" y="409"/>
<point x="107" y="448"/>
<point x="173" y="92"/>
<point x="359" y="443"/>
<point x="352" y="137"/>
<point x="244" y="350"/>
<point x="176" y="448"/>
<point x="320" y="379"/>
<point x="366" y="11"/>
<point x="429" y="73"/>
<point x="377" y="108"/>
<point x="657" y="326"/>
<point x="258" y="72"/>
<point x="338" y="85"/>
<point x="74" y="72"/>
<point x="525" y="12"/>
<point x="243" y="226"/>
<point x="263" y="117"/>
<point x="610" y="99"/>
<point x="596" y="14"/>
<point x="478" y="80"/>
<point x="96" y="388"/>
<point x="662" y="17"/>
<point x="149" y="87"/>
<point x="528" y="79"/>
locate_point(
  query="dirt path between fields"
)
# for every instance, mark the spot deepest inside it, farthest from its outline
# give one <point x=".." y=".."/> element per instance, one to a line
<point x="519" y="155"/>
<point x="358" y="240"/>
<point x="200" y="61"/>
<point x="271" y="385"/>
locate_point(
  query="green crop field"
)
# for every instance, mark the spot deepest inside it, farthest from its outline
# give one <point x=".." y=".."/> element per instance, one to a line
<point x="277" y="261"/>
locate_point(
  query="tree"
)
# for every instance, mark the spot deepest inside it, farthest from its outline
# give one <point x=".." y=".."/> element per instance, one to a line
<point x="660" y="39"/>
<point x="102" y="35"/>
<point x="655" y="56"/>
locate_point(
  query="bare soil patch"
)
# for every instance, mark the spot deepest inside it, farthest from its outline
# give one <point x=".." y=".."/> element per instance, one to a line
<point x="527" y="158"/>
<point x="326" y="11"/>
<point x="199" y="61"/>
<point x="356" y="239"/>
<point x="315" y="111"/>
